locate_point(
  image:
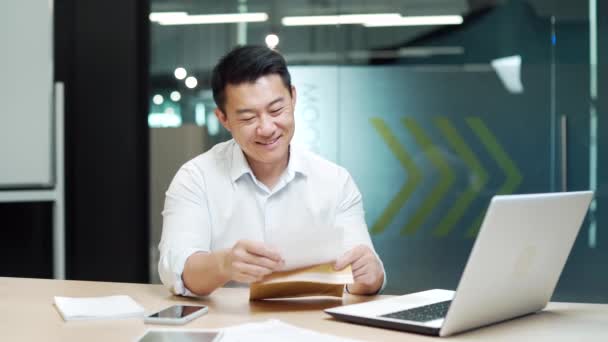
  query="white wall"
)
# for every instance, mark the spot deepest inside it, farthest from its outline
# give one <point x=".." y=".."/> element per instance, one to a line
<point x="26" y="76"/>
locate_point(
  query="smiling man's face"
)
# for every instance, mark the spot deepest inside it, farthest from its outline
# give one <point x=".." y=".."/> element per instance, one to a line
<point x="260" y="116"/>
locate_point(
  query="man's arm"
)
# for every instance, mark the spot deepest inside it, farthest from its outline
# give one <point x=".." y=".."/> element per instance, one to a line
<point x="203" y="272"/>
<point x="186" y="226"/>
<point x="368" y="270"/>
<point x="186" y="264"/>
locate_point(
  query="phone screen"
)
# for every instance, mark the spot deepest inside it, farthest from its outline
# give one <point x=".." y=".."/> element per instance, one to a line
<point x="177" y="311"/>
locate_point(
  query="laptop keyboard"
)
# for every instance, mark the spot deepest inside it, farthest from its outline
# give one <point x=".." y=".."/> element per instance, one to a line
<point x="422" y="313"/>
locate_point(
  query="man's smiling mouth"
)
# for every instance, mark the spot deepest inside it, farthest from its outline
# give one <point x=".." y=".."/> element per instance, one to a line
<point x="266" y="143"/>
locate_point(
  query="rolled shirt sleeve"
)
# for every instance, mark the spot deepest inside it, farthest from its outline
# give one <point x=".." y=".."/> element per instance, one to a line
<point x="186" y="226"/>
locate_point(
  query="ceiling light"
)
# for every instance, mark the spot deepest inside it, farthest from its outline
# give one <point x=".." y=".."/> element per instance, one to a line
<point x="164" y="120"/>
<point x="175" y="96"/>
<point x="213" y="19"/>
<point x="272" y="40"/>
<point x="158" y="16"/>
<point x="417" y="21"/>
<point x="180" y="73"/>
<point x="338" y="19"/>
<point x="191" y="82"/>
<point x="158" y="99"/>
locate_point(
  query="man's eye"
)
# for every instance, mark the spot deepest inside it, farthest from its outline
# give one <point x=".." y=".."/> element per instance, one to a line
<point x="248" y="118"/>
<point x="276" y="111"/>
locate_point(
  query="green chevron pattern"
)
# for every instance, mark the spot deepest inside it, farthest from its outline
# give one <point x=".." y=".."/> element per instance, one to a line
<point x="446" y="178"/>
<point x="413" y="176"/>
<point x="479" y="180"/>
<point x="506" y="164"/>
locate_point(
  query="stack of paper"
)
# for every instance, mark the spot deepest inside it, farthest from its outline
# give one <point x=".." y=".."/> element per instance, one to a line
<point x="275" y="331"/>
<point x="111" y="307"/>
<point x="181" y="335"/>
<point x="308" y="247"/>
<point x="268" y="331"/>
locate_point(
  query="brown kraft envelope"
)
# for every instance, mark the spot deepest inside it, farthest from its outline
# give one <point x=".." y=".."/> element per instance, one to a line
<point x="317" y="280"/>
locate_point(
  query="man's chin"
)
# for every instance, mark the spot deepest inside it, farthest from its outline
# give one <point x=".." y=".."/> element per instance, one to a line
<point x="269" y="157"/>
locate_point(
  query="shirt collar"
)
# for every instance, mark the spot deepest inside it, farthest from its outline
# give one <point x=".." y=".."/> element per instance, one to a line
<point x="297" y="164"/>
<point x="239" y="167"/>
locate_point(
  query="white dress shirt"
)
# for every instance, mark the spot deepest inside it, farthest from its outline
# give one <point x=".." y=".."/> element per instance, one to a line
<point x="215" y="200"/>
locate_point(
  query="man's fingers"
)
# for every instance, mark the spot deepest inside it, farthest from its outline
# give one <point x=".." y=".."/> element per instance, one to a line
<point x="361" y="262"/>
<point x="348" y="258"/>
<point x="251" y="270"/>
<point x="263" y="250"/>
<point x="343" y="261"/>
<point x="361" y="271"/>
<point x="262" y="261"/>
<point x="244" y="278"/>
<point x="250" y="261"/>
<point x="365" y="276"/>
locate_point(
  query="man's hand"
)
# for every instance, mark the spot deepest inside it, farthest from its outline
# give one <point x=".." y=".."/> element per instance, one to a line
<point x="367" y="271"/>
<point x="249" y="261"/>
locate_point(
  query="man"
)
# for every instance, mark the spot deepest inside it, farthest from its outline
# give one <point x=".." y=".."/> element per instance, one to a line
<point x="222" y="205"/>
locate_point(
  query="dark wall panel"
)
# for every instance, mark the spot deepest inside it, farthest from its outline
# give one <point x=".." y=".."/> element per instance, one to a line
<point x="26" y="247"/>
<point x="102" y="56"/>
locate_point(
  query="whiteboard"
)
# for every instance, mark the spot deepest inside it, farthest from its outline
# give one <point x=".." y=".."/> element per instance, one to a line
<point x="26" y="78"/>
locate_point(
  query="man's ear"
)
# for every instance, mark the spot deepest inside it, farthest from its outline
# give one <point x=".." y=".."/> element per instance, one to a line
<point x="223" y="118"/>
<point x="293" y="96"/>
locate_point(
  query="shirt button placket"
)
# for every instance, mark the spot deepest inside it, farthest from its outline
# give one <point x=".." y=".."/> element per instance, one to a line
<point x="268" y="215"/>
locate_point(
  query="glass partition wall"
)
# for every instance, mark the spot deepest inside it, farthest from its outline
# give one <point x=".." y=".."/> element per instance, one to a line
<point x="433" y="106"/>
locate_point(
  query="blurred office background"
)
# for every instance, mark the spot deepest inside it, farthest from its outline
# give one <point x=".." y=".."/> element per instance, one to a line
<point x="434" y="106"/>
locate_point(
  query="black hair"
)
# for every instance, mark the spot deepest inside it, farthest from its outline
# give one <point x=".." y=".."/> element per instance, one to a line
<point x="246" y="64"/>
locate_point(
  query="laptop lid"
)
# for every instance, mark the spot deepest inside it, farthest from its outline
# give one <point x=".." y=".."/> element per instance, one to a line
<point x="512" y="270"/>
<point x="517" y="258"/>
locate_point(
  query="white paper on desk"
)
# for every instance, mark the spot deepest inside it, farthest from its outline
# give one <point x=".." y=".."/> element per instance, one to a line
<point x="307" y="247"/>
<point x="276" y="331"/>
<point x="112" y="307"/>
<point x="181" y="335"/>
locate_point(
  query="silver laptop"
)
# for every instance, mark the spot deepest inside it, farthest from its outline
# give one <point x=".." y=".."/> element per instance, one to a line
<point x="512" y="270"/>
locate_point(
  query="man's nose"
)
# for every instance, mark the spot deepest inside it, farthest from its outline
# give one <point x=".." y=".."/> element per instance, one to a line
<point x="266" y="126"/>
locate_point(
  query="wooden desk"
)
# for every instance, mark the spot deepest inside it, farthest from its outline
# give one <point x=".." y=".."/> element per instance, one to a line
<point x="27" y="314"/>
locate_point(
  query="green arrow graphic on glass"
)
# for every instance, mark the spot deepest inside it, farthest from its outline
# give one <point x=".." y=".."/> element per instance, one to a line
<point x="506" y="164"/>
<point x="479" y="180"/>
<point x="446" y="178"/>
<point x="413" y="176"/>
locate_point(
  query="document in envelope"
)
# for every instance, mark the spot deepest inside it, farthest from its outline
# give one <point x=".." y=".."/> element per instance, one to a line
<point x="308" y="246"/>
<point x="309" y="256"/>
<point x="318" y="280"/>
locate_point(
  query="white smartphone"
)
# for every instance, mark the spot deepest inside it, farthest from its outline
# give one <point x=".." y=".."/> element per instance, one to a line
<point x="176" y="314"/>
